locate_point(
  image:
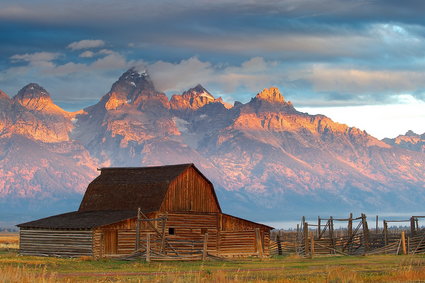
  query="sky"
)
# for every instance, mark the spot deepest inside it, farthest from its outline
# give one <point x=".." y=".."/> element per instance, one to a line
<point x="360" y="62"/>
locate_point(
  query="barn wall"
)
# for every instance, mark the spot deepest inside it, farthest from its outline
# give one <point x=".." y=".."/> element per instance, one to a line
<point x="192" y="226"/>
<point x="227" y="235"/>
<point x="241" y="233"/>
<point x="124" y="240"/>
<point x="231" y="223"/>
<point x="190" y="192"/>
<point x="72" y="243"/>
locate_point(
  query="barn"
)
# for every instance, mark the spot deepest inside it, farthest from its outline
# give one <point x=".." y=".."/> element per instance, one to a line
<point x="155" y="212"/>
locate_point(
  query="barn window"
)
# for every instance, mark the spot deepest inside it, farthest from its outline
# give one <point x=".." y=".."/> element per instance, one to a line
<point x="171" y="231"/>
<point x="204" y="231"/>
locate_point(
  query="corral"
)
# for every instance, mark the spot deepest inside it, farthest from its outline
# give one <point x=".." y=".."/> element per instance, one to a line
<point x="163" y="212"/>
<point x="356" y="238"/>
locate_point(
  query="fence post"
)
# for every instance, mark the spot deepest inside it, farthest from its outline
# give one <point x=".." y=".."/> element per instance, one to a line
<point x="312" y="245"/>
<point x="408" y="245"/>
<point x="205" y="246"/>
<point x="148" y="247"/>
<point x="138" y="230"/>
<point x="306" y="242"/>
<point x="365" y="234"/>
<point x="164" y="220"/>
<point x="259" y="244"/>
<point x="318" y="227"/>
<point x="403" y="242"/>
<point x="331" y="232"/>
<point x="385" y="232"/>
<point x="412" y="226"/>
<point x="376" y="228"/>
<point x="279" y="244"/>
<point x="350" y="226"/>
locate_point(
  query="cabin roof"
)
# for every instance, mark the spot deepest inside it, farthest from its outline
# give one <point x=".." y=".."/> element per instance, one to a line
<point x="124" y="188"/>
<point x="80" y="220"/>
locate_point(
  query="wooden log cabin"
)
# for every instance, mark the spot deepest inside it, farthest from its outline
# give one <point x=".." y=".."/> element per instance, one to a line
<point x="164" y="210"/>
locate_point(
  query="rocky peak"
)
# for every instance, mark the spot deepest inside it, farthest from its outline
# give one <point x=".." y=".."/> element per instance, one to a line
<point x="132" y="80"/>
<point x="271" y="95"/>
<point x="34" y="97"/>
<point x="30" y="92"/>
<point x="4" y="96"/>
<point x="197" y="91"/>
<point x="410" y="140"/>
<point x="193" y="99"/>
<point x="411" y="133"/>
<point x="133" y="87"/>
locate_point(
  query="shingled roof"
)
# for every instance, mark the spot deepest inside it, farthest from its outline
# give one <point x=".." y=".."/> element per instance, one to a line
<point x="80" y="220"/>
<point x="129" y="188"/>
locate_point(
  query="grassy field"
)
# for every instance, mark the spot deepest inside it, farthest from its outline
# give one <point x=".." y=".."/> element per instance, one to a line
<point x="9" y="241"/>
<point x="15" y="268"/>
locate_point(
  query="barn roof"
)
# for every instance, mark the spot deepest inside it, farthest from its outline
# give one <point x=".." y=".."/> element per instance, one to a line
<point x="124" y="188"/>
<point x="80" y="220"/>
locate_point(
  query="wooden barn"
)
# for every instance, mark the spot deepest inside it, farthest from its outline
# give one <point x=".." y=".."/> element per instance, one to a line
<point x="163" y="212"/>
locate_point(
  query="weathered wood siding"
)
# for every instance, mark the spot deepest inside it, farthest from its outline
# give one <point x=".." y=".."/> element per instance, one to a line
<point x="72" y="243"/>
<point x="237" y="243"/>
<point x="232" y="226"/>
<point x="192" y="226"/>
<point x="190" y="192"/>
<point x="125" y="232"/>
<point x="227" y="235"/>
<point x="232" y="223"/>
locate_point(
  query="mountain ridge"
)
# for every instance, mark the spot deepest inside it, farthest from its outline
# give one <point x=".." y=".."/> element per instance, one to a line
<point x="260" y="154"/>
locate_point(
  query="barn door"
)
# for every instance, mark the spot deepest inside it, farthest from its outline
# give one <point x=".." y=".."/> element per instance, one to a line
<point x="110" y="241"/>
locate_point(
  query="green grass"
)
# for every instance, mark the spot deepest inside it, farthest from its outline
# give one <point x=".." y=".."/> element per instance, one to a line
<point x="388" y="268"/>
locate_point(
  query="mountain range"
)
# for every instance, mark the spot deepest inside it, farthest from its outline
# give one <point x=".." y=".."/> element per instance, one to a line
<point x="267" y="160"/>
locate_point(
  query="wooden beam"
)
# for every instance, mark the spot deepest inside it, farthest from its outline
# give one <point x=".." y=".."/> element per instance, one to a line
<point x="259" y="243"/>
<point x="376" y="227"/>
<point x="412" y="226"/>
<point x="365" y="234"/>
<point x="312" y="245"/>
<point x="305" y="237"/>
<point x="148" y="247"/>
<point x="138" y="230"/>
<point x="385" y="232"/>
<point x="318" y="226"/>
<point x="403" y="242"/>
<point x="350" y="226"/>
<point x="331" y="232"/>
<point x="205" y="246"/>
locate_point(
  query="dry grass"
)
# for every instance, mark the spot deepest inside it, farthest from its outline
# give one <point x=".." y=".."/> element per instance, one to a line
<point x="15" y="268"/>
<point x="19" y="274"/>
<point x="9" y="241"/>
<point x="409" y="274"/>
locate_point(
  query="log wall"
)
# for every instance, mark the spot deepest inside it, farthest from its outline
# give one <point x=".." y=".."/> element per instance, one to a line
<point x="69" y="243"/>
<point x="227" y="235"/>
<point x="193" y="226"/>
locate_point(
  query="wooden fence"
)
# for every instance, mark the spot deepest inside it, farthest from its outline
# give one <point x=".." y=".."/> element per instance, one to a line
<point x="321" y="237"/>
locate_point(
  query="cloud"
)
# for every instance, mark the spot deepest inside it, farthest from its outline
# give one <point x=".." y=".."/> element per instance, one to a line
<point x="177" y="76"/>
<point x="253" y="74"/>
<point x="86" y="44"/>
<point x="87" y="54"/>
<point x="35" y="57"/>
<point x="36" y="60"/>
<point x="356" y="81"/>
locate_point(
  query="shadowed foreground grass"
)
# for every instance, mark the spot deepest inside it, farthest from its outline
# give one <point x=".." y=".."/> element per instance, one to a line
<point x="15" y="268"/>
